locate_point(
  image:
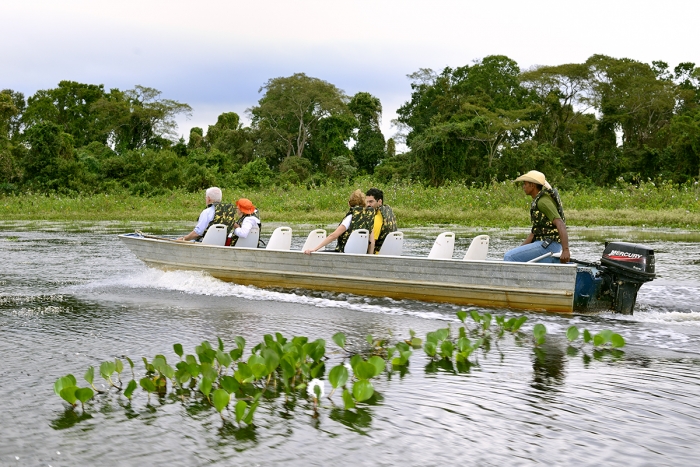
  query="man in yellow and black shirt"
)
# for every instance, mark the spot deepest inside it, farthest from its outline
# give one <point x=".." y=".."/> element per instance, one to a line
<point x="384" y="219"/>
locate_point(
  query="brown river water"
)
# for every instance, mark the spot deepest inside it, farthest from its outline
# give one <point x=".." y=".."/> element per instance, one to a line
<point x="72" y="296"/>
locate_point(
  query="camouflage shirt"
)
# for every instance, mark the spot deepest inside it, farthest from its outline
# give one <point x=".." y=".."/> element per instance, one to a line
<point x="542" y="226"/>
<point x="362" y="218"/>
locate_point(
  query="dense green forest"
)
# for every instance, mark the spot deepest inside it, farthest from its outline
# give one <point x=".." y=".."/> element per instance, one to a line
<point x="597" y="123"/>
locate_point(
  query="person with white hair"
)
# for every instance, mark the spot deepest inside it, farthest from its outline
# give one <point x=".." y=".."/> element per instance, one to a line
<point x="213" y="201"/>
<point x="548" y="233"/>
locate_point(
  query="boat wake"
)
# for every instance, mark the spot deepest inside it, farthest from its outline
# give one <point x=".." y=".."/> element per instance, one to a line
<point x="202" y="284"/>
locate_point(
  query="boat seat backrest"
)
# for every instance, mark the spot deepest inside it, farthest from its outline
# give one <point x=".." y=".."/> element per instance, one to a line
<point x="315" y="237"/>
<point x="251" y="241"/>
<point x="358" y="242"/>
<point x="215" y="235"/>
<point x="478" y="248"/>
<point x="393" y="244"/>
<point x="281" y="239"/>
<point x="444" y="246"/>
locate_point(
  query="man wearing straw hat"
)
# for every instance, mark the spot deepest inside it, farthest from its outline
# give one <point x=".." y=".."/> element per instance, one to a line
<point x="548" y="234"/>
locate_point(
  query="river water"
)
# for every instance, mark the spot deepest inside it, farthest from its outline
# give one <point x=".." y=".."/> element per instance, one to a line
<point x="72" y="296"/>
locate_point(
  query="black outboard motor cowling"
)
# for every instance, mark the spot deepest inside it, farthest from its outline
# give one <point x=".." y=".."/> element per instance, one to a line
<point x="626" y="266"/>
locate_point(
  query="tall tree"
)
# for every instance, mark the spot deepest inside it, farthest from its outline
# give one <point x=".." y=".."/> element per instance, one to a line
<point x="459" y="121"/>
<point x="139" y="118"/>
<point x="291" y="109"/>
<point x="369" y="142"/>
<point x="69" y="106"/>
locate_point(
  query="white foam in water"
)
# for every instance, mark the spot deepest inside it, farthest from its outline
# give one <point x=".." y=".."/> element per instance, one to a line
<point x="199" y="283"/>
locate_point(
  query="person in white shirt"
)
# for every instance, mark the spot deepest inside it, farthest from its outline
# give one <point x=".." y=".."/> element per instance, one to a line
<point x="358" y="217"/>
<point x="249" y="218"/>
<point x="212" y="198"/>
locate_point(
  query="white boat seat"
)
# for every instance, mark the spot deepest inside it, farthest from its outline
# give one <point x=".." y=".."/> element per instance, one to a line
<point x="251" y="241"/>
<point x="358" y="242"/>
<point x="215" y="235"/>
<point x="393" y="244"/>
<point x="281" y="239"/>
<point x="478" y="248"/>
<point x="443" y="247"/>
<point x="315" y="237"/>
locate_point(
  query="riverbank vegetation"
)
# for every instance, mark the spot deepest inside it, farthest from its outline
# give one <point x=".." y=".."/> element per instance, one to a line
<point x="618" y="137"/>
<point x="494" y="205"/>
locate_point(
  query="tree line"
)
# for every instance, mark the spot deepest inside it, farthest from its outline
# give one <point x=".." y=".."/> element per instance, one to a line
<point x="591" y="123"/>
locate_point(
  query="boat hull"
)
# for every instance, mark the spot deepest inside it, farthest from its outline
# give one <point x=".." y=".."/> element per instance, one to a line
<point x="542" y="287"/>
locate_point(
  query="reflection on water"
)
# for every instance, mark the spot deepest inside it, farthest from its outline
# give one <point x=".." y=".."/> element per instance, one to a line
<point x="75" y="297"/>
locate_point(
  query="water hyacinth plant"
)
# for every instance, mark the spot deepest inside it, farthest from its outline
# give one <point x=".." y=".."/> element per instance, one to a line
<point x="233" y="384"/>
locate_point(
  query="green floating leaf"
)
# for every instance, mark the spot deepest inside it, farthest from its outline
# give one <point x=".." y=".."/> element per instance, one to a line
<point x="240" y="410"/>
<point x="236" y="354"/>
<point x="221" y="399"/>
<point x="118" y="366"/>
<point x="617" y="341"/>
<point x="223" y="358"/>
<point x="370" y="339"/>
<point x="365" y="370"/>
<point x="221" y="344"/>
<point x="253" y="407"/>
<point x="518" y="323"/>
<point x="205" y="386"/>
<point x="572" y="333"/>
<point x="240" y="342"/>
<point x="606" y="334"/>
<point x="68" y="394"/>
<point x="486" y="321"/>
<point x="90" y="375"/>
<point x="130" y="388"/>
<point x="379" y="364"/>
<point x="416" y="343"/>
<point x="84" y="394"/>
<point x="107" y="370"/>
<point x="348" y="400"/>
<point x="446" y="349"/>
<point x="539" y="331"/>
<point x="229" y="383"/>
<point x="475" y="315"/>
<point x="362" y="390"/>
<point x="178" y="350"/>
<point x="339" y="339"/>
<point x="148" y="385"/>
<point x="462" y="315"/>
<point x="598" y="340"/>
<point x="587" y="337"/>
<point x="64" y="382"/>
<point x="430" y="348"/>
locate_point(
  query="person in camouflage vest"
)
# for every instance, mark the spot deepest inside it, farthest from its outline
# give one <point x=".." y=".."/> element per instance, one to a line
<point x="548" y="234"/>
<point x="358" y="217"/>
<point x="384" y="219"/>
<point x="212" y="198"/>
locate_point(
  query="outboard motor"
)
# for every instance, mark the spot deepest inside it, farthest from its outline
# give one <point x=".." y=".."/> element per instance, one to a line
<point x="625" y="267"/>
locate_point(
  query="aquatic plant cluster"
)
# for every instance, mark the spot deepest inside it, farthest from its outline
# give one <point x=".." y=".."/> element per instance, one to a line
<point x="280" y="365"/>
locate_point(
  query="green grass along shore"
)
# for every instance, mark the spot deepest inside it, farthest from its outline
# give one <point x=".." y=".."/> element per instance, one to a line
<point x="497" y="205"/>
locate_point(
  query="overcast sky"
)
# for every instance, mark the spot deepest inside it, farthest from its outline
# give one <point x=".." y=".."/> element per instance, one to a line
<point x="215" y="55"/>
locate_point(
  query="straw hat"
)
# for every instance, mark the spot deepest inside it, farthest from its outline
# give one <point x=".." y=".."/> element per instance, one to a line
<point x="534" y="176"/>
<point x="245" y="205"/>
